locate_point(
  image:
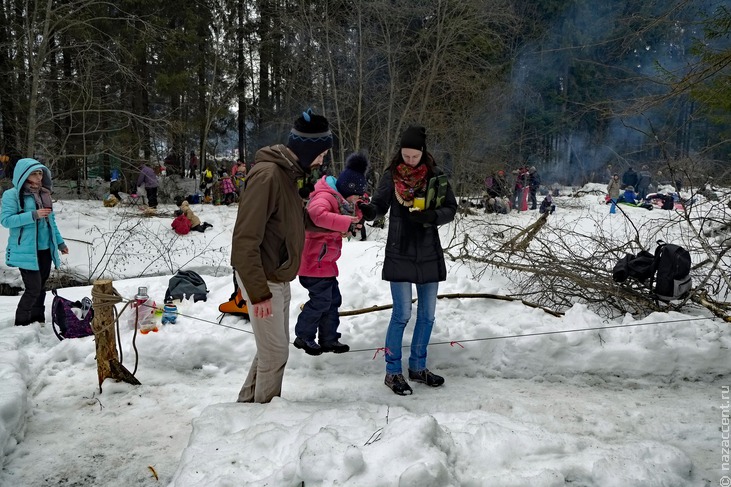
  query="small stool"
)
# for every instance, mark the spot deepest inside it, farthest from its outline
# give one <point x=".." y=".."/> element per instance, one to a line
<point x="136" y="199"/>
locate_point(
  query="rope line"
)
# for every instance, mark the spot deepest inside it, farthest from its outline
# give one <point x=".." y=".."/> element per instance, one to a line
<point x="195" y="318"/>
<point x="457" y="342"/>
<point x="538" y="333"/>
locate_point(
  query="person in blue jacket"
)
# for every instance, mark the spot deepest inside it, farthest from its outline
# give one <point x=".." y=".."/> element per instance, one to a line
<point x="34" y="240"/>
<point x="629" y="196"/>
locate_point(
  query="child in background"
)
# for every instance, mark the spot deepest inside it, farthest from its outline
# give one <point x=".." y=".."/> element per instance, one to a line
<point x="238" y="174"/>
<point x="333" y="211"/>
<point x="195" y="222"/>
<point x="207" y="184"/>
<point x="228" y="190"/>
<point x="547" y="205"/>
<point x="629" y="195"/>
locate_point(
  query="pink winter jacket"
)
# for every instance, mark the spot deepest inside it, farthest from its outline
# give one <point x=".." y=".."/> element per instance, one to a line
<point x="227" y="186"/>
<point x="322" y="248"/>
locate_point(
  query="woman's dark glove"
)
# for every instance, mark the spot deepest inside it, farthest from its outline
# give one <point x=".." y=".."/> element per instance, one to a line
<point x="368" y="210"/>
<point x="425" y="216"/>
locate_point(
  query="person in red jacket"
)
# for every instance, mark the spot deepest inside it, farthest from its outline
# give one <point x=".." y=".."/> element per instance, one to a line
<point x="333" y="212"/>
<point x="181" y="224"/>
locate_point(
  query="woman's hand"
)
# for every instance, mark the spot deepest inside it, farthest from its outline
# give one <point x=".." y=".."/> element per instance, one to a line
<point x="43" y="212"/>
<point x="369" y="211"/>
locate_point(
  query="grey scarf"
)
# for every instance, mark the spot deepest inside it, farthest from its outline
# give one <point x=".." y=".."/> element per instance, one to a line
<point x="41" y="195"/>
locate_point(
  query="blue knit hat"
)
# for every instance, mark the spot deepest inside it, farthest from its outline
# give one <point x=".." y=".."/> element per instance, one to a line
<point x="352" y="180"/>
<point x="310" y="136"/>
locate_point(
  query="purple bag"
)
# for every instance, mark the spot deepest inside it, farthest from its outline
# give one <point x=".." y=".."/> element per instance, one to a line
<point x="66" y="322"/>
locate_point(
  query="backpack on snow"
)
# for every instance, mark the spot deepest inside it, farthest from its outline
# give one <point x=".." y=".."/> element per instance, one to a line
<point x="640" y="267"/>
<point x="186" y="284"/>
<point x="673" y="271"/>
<point x="71" y="319"/>
<point x="668" y="269"/>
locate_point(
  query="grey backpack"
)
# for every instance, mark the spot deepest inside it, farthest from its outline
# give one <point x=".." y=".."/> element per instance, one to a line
<point x="187" y="284"/>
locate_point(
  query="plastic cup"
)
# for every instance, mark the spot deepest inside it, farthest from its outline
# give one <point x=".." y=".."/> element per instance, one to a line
<point x="419" y="202"/>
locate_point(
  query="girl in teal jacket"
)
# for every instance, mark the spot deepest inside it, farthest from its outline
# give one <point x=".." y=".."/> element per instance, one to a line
<point x="34" y="240"/>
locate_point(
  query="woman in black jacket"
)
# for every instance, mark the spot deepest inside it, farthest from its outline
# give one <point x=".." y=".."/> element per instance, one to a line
<point x="413" y="254"/>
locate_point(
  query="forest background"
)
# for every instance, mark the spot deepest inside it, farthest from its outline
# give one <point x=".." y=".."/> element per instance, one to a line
<point x="570" y="86"/>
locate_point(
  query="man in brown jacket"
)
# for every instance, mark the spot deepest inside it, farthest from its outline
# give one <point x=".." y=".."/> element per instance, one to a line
<point x="267" y="245"/>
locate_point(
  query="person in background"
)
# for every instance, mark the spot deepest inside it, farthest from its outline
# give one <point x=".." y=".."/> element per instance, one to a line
<point x="195" y="222"/>
<point x="534" y="182"/>
<point x="644" y="180"/>
<point x="498" y="185"/>
<point x="238" y="170"/>
<point x="613" y="189"/>
<point x="521" y="181"/>
<point x="181" y="223"/>
<point x="34" y="240"/>
<point x="547" y="205"/>
<point x="227" y="188"/>
<point x="413" y="255"/>
<point x="267" y="243"/>
<point x="333" y="212"/>
<point x="629" y="196"/>
<point x="192" y="165"/>
<point x="148" y="179"/>
<point x="238" y="174"/>
<point x="207" y="178"/>
<point x="114" y="185"/>
<point x="629" y="178"/>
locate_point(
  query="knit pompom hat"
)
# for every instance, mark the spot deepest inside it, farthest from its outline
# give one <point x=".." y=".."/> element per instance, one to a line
<point x="310" y="136"/>
<point x="352" y="180"/>
<point x="414" y="137"/>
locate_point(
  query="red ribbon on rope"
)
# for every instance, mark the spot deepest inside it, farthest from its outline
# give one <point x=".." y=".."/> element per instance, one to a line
<point x="451" y="344"/>
<point x="385" y="350"/>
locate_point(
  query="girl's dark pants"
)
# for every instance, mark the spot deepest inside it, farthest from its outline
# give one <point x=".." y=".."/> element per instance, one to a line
<point x="319" y="315"/>
<point x="31" y="306"/>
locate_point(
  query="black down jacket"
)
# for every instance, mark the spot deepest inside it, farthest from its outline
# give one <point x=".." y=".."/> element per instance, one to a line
<point x="413" y="250"/>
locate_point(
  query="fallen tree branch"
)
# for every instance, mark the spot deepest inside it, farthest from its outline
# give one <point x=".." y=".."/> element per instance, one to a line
<point x="361" y="311"/>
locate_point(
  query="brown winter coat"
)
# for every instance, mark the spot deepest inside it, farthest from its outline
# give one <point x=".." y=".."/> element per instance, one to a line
<point x="194" y="220"/>
<point x="613" y="189"/>
<point x="270" y="231"/>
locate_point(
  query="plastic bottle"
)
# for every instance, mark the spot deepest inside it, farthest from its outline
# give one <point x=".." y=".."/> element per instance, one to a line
<point x="169" y="313"/>
<point x="145" y="309"/>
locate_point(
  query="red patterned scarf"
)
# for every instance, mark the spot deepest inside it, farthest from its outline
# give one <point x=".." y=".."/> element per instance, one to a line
<point x="409" y="181"/>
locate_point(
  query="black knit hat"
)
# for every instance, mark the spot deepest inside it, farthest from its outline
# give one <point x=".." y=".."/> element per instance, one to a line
<point x="414" y="137"/>
<point x="352" y="180"/>
<point x="310" y="136"/>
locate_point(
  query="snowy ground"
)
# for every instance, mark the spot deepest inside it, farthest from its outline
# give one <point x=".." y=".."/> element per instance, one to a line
<point x="634" y="406"/>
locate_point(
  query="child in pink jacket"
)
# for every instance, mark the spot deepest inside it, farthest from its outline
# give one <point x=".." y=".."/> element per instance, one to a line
<point x="228" y="190"/>
<point x="333" y="212"/>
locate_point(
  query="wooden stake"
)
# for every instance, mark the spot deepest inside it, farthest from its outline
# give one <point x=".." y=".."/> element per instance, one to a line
<point x="107" y="363"/>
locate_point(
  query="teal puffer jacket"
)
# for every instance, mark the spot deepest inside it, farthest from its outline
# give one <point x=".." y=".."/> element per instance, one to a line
<point x="22" y="248"/>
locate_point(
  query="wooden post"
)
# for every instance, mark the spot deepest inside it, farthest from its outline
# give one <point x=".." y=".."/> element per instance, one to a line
<point x="107" y="363"/>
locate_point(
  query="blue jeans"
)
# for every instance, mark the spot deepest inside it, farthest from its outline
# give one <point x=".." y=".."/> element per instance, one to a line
<point x="426" y="305"/>
<point x="319" y="315"/>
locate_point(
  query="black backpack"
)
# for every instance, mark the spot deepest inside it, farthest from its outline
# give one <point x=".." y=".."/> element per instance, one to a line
<point x="668" y="267"/>
<point x="640" y="267"/>
<point x="186" y="284"/>
<point x="673" y="272"/>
